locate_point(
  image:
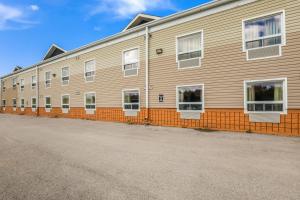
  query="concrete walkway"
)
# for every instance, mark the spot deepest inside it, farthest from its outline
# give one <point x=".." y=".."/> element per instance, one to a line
<point x="42" y="158"/>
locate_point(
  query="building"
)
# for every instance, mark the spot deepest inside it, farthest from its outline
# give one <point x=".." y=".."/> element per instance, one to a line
<point x="225" y="65"/>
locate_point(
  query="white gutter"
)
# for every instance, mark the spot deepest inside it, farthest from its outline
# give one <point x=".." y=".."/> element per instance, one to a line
<point x="147" y="71"/>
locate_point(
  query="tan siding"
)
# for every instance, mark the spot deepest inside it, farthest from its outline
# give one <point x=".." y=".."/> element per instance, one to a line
<point x="224" y="67"/>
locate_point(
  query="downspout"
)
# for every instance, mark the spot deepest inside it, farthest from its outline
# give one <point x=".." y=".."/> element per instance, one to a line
<point x="37" y="92"/>
<point x="147" y="74"/>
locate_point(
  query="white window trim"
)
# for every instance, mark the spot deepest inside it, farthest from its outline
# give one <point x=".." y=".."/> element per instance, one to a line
<point x="14" y="85"/>
<point x="128" y="90"/>
<point x="139" y="61"/>
<point x="191" y="111"/>
<point x="46" y="102"/>
<point x="33" y="87"/>
<point x="13" y="103"/>
<point x="22" y="89"/>
<point x="202" y="47"/>
<point x="283" y="33"/>
<point x="285" y="95"/>
<point x="49" y="80"/>
<point x="92" y="59"/>
<point x="85" y="101"/>
<point x="35" y="102"/>
<point x="62" y="83"/>
<point x="62" y="101"/>
<point x="21" y="102"/>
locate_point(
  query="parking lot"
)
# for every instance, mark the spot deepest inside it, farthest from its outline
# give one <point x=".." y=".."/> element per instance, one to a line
<point x="43" y="158"/>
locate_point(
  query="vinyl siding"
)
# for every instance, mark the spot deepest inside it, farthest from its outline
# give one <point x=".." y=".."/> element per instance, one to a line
<point x="224" y="66"/>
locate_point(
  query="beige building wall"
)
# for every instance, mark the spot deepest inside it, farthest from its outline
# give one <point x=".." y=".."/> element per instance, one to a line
<point x="109" y="81"/>
<point x="224" y="66"/>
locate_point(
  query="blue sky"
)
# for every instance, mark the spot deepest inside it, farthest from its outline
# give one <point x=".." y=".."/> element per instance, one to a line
<point x="28" y="28"/>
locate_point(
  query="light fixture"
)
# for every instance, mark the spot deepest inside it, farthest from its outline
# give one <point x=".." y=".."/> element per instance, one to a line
<point x="159" y="51"/>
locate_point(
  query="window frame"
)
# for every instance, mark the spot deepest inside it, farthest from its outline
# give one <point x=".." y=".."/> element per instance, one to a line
<point x="84" y="68"/>
<point x="62" y="82"/>
<point x="13" y="105"/>
<point x="33" y="87"/>
<point x="21" y="103"/>
<point x="33" y="104"/>
<point x="123" y="102"/>
<point x="138" y="63"/>
<point x="63" y="95"/>
<point x="284" y="101"/>
<point x="46" y="102"/>
<point x="3" y="105"/>
<point x="14" y="82"/>
<point x="177" y="46"/>
<point x="48" y="80"/>
<point x="22" y="87"/>
<point x="283" y="32"/>
<point x="190" y="111"/>
<point x="91" y="104"/>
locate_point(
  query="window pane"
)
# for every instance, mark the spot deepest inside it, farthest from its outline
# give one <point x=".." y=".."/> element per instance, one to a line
<point x="48" y="75"/>
<point x="65" y="100"/>
<point x="190" y="106"/>
<point x="131" y="97"/>
<point x="33" y="79"/>
<point x="185" y="56"/>
<point x="90" y="66"/>
<point x="131" y="56"/>
<point x="65" y="71"/>
<point x="90" y="99"/>
<point x="189" y="43"/>
<point x="265" y="91"/>
<point x="48" y="100"/>
<point x="190" y="94"/>
<point x="267" y="26"/>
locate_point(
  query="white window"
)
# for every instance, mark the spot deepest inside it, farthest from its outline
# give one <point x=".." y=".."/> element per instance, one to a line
<point x="131" y="100"/>
<point x="14" y="83"/>
<point x="190" y="98"/>
<point x="3" y="103"/>
<point x="266" y="96"/>
<point x="22" y="103"/>
<point x="14" y="102"/>
<point x="90" y="101"/>
<point x="48" y="79"/>
<point x="189" y="50"/>
<point x="264" y="31"/>
<point x="33" y="82"/>
<point x="89" y="70"/>
<point x="48" y="102"/>
<point x="33" y="102"/>
<point x="131" y="62"/>
<point x="65" y="75"/>
<point x="3" y="86"/>
<point x="65" y="101"/>
<point x="22" y="85"/>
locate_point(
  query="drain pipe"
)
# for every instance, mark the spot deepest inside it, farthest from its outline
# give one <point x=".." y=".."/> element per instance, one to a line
<point x="37" y="91"/>
<point x="147" y="74"/>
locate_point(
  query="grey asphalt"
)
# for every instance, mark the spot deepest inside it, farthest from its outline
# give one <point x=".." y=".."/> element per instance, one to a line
<point x="42" y="158"/>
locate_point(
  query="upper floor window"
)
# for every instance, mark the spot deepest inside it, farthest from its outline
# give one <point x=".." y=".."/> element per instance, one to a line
<point x="22" y="85"/>
<point x="89" y="70"/>
<point x="65" y="75"/>
<point x="48" y="79"/>
<point x="14" y="83"/>
<point x="264" y="31"/>
<point x="3" y="86"/>
<point x="189" y="50"/>
<point x="190" y="98"/>
<point x="131" y="100"/>
<point x="33" y="82"/>
<point x="131" y="62"/>
<point x="265" y="96"/>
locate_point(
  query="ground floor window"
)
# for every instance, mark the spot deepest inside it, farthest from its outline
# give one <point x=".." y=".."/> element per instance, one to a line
<point x="33" y="102"/>
<point x="14" y="103"/>
<point x="90" y="101"/>
<point x="131" y="100"/>
<point x="22" y="103"/>
<point x="190" y="98"/>
<point x="48" y="102"/>
<point x="3" y="103"/>
<point x="265" y="95"/>
<point x="65" y="101"/>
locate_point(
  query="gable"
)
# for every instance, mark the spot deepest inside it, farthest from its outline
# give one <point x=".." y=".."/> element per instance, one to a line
<point x="53" y="51"/>
<point x="139" y="20"/>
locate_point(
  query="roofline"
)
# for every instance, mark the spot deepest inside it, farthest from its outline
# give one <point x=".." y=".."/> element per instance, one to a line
<point x="202" y="7"/>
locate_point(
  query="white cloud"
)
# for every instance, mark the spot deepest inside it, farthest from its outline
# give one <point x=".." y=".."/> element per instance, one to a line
<point x="14" y="18"/>
<point x="34" y="7"/>
<point x="128" y="8"/>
